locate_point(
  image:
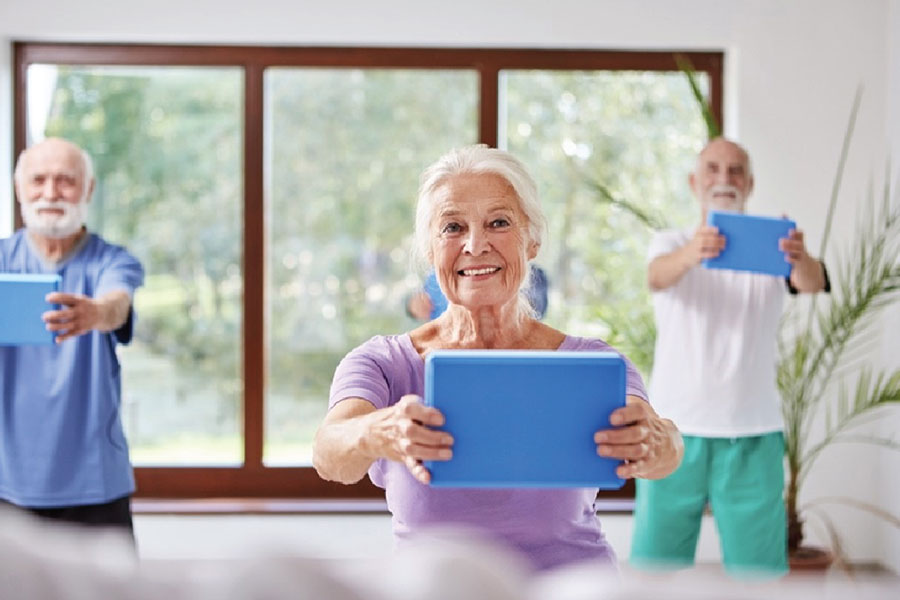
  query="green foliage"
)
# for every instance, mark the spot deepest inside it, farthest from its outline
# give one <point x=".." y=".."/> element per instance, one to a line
<point x="345" y="160"/>
<point x="610" y="151"/>
<point x="712" y="126"/>
<point x="865" y="280"/>
<point x="344" y="150"/>
<point x="167" y="150"/>
<point x="644" y="216"/>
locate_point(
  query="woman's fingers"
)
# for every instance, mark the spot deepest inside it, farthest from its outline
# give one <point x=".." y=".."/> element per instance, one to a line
<point x="631" y="469"/>
<point x="418" y="470"/>
<point x="635" y="410"/>
<point x="411" y="406"/>
<point x="625" y="451"/>
<point x="423" y="436"/>
<point x="416" y="440"/>
<point x="420" y="452"/>
<point x="640" y="439"/>
<point x="625" y="435"/>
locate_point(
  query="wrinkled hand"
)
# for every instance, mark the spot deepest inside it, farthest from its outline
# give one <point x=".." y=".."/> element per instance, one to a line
<point x="79" y="315"/>
<point x="706" y="243"/>
<point x="794" y="247"/>
<point x="419" y="306"/>
<point x="650" y="446"/>
<point x="807" y="273"/>
<point x="403" y="433"/>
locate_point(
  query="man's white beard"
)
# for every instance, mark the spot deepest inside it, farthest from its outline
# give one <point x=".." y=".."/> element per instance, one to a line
<point x="52" y="225"/>
<point x="725" y="197"/>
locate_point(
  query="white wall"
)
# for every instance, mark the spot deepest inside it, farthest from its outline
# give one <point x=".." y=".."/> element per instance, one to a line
<point x="890" y="462"/>
<point x="791" y="71"/>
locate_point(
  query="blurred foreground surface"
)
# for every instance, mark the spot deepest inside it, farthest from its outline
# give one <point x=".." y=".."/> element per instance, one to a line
<point x="40" y="561"/>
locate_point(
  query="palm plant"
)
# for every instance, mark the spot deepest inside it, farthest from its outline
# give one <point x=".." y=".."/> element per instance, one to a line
<point x="826" y="350"/>
<point x="812" y="358"/>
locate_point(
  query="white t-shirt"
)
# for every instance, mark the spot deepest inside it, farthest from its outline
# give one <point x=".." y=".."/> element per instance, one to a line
<point x="716" y="342"/>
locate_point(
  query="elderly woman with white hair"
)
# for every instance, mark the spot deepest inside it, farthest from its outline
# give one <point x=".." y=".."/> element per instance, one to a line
<point x="478" y="224"/>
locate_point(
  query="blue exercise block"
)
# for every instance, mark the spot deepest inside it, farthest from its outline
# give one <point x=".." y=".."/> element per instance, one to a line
<point x="525" y="418"/>
<point x="21" y="305"/>
<point x="751" y="243"/>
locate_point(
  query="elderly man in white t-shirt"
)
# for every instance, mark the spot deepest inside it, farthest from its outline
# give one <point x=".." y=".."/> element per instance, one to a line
<point x="714" y="376"/>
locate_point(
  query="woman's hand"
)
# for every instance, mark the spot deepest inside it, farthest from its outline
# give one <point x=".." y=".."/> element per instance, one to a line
<point x="403" y="433"/>
<point x="650" y="446"/>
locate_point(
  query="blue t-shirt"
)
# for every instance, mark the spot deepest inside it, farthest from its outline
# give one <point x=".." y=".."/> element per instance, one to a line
<point x="61" y="438"/>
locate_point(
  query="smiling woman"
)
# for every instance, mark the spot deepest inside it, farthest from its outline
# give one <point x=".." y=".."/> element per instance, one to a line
<point x="479" y="242"/>
<point x="478" y="224"/>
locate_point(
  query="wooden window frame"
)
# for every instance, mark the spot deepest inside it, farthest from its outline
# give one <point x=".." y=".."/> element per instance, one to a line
<point x="253" y="479"/>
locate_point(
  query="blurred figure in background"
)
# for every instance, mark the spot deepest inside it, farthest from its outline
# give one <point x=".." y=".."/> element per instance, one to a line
<point x="63" y="453"/>
<point x="714" y="376"/>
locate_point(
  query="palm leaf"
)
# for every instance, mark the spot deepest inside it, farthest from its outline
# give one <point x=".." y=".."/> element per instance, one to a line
<point x="712" y="126"/>
<point x="645" y="216"/>
<point x="858" y="504"/>
<point x="866" y="282"/>
<point x="839" y="174"/>
<point x="873" y="392"/>
<point x="835" y="340"/>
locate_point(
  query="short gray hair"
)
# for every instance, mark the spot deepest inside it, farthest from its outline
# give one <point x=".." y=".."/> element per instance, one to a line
<point x="477" y="158"/>
<point x="87" y="166"/>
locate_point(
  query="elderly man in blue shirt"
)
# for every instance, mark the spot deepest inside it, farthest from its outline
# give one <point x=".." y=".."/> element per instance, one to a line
<point x="63" y="453"/>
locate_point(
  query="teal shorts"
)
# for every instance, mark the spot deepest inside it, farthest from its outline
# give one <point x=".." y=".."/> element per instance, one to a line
<point x="742" y="479"/>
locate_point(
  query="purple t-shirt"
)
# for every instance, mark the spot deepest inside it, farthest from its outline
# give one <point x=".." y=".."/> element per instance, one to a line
<point x="550" y="527"/>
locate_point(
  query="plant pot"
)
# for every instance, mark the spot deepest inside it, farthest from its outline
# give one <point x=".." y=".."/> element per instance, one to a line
<point x="809" y="559"/>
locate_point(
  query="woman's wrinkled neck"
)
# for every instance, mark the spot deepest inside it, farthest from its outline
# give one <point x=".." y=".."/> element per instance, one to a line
<point x="487" y="327"/>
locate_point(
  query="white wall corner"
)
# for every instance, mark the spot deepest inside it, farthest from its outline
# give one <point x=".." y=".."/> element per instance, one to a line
<point x="890" y="321"/>
<point x="893" y="82"/>
<point x="731" y="93"/>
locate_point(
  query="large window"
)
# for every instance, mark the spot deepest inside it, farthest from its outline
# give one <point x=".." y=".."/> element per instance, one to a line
<point x="343" y="153"/>
<point x="166" y="144"/>
<point x="269" y="193"/>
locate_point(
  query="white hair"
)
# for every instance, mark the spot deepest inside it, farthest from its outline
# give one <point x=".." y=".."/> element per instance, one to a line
<point x="729" y="141"/>
<point x="474" y="159"/>
<point x="87" y="167"/>
<point x="478" y="159"/>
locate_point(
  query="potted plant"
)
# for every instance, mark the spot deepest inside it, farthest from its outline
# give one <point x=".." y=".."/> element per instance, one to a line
<point x="818" y="352"/>
<point x="817" y="348"/>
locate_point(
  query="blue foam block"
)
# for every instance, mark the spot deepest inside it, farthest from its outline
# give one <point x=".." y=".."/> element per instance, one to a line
<point x="751" y="243"/>
<point x="21" y="306"/>
<point x="525" y="418"/>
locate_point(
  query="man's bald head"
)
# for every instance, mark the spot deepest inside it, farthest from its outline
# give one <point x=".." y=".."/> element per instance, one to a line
<point x="719" y="145"/>
<point x="54" y="180"/>
<point x="722" y="178"/>
<point x="57" y="147"/>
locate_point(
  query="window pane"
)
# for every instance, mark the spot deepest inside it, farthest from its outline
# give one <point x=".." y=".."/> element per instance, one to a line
<point x="167" y="145"/>
<point x="344" y="151"/>
<point x="633" y="134"/>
